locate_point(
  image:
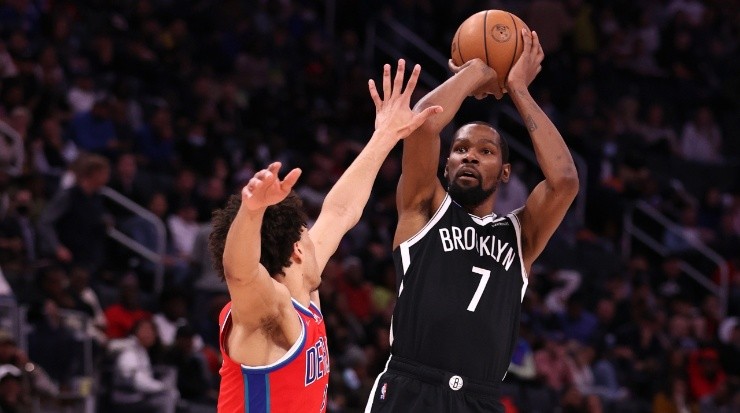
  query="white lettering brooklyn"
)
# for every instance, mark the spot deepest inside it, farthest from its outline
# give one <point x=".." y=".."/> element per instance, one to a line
<point x="466" y="239"/>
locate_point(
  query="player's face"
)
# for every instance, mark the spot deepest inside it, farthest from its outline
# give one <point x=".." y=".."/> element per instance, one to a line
<point x="475" y="168"/>
<point x="311" y="273"/>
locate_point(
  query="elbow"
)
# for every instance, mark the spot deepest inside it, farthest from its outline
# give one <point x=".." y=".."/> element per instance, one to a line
<point x="567" y="184"/>
<point x="343" y="216"/>
<point x="570" y="184"/>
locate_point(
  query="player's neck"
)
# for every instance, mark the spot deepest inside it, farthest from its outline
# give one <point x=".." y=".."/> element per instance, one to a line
<point x="296" y="284"/>
<point x="482" y="209"/>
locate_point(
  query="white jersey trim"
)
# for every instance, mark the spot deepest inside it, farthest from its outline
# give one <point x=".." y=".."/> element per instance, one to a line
<point x="518" y="229"/>
<point x="371" y="399"/>
<point x="406" y="245"/>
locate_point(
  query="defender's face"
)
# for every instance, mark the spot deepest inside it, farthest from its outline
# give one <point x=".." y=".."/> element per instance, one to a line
<point x="475" y="163"/>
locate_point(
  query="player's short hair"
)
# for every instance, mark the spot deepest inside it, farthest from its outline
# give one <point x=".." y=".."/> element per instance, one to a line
<point x="281" y="228"/>
<point x="502" y="140"/>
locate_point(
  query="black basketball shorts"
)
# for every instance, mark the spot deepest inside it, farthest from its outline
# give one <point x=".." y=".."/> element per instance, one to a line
<point x="409" y="387"/>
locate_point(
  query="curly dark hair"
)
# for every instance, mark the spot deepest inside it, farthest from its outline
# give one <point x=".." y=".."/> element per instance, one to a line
<point x="281" y="228"/>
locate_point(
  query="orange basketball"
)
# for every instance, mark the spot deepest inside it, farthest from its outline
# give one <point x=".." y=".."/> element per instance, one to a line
<point x="494" y="36"/>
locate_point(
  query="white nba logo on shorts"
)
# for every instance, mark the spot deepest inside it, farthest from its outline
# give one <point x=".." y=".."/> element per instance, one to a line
<point x="456" y="383"/>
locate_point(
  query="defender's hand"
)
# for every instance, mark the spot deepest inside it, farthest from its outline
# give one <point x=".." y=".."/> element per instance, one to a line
<point x="529" y="63"/>
<point x="392" y="112"/>
<point x="265" y="189"/>
<point x="489" y="78"/>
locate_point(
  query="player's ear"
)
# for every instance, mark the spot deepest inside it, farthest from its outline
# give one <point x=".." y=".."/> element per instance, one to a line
<point x="448" y="160"/>
<point x="506" y="172"/>
<point x="297" y="254"/>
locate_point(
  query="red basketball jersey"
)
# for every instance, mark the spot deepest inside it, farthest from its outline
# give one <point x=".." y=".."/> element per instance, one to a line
<point x="298" y="382"/>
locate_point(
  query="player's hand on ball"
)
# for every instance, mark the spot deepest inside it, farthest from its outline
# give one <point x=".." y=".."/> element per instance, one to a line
<point x="392" y="112"/>
<point x="490" y="77"/>
<point x="529" y="63"/>
<point x="265" y="188"/>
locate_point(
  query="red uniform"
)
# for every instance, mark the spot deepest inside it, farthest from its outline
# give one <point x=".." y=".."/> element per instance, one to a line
<point x="298" y="382"/>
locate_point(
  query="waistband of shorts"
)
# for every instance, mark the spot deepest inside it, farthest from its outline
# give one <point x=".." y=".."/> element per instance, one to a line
<point x="431" y="375"/>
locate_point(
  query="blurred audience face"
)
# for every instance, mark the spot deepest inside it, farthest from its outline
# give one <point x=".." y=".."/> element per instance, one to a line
<point x="146" y="333"/>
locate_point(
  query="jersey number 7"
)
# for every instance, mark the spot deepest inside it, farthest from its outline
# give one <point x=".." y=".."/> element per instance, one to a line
<point x="485" y="275"/>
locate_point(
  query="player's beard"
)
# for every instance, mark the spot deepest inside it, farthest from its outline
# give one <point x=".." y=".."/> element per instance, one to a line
<point x="470" y="196"/>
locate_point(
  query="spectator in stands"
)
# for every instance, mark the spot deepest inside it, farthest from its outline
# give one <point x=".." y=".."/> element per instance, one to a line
<point x="183" y="228"/>
<point x="212" y="197"/>
<point x="705" y="373"/>
<point x="135" y="384"/>
<point x="87" y="300"/>
<point x="729" y="337"/>
<point x="174" y="310"/>
<point x="576" y="322"/>
<point x="701" y="139"/>
<point x="122" y="316"/>
<point x="551" y="362"/>
<point x="356" y="289"/>
<point x="38" y="378"/>
<point x="72" y="227"/>
<point x="13" y="398"/>
<point x="18" y="236"/>
<point x="155" y="141"/>
<point x="49" y="339"/>
<point x="194" y="380"/>
<point x="130" y="181"/>
<point x="657" y="136"/>
<point x="674" y="397"/>
<point x="51" y="152"/>
<point x="93" y="130"/>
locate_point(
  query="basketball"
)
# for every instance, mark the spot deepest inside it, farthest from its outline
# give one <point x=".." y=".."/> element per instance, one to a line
<point x="493" y="36"/>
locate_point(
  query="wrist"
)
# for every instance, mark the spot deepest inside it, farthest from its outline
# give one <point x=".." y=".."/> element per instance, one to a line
<point x="517" y="85"/>
<point x="384" y="138"/>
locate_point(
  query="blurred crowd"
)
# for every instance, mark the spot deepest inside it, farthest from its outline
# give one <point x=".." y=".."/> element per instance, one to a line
<point x="175" y="104"/>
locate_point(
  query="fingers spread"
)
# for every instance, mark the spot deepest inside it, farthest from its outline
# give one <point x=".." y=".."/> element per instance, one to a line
<point x="374" y="94"/>
<point x="386" y="81"/>
<point x="411" y="84"/>
<point x="398" y="81"/>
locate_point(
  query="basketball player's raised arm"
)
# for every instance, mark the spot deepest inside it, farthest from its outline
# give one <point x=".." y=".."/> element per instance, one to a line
<point x="419" y="191"/>
<point x="394" y="120"/>
<point x="255" y="295"/>
<point x="549" y="201"/>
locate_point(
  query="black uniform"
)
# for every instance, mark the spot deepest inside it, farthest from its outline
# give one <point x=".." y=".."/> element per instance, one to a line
<point x="456" y="320"/>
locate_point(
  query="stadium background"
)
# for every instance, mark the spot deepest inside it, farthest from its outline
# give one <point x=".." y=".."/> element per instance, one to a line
<point x="632" y="308"/>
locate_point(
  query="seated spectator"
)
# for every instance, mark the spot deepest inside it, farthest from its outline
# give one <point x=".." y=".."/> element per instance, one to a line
<point x="173" y="315"/>
<point x="48" y="339"/>
<point x="551" y="362"/>
<point x="701" y="139"/>
<point x="194" y="380"/>
<point x="675" y="398"/>
<point x="122" y="316"/>
<point x="705" y="373"/>
<point x="93" y="130"/>
<point x="18" y="237"/>
<point x="40" y="382"/>
<point x="130" y="181"/>
<point x="13" y="397"/>
<point x="135" y="385"/>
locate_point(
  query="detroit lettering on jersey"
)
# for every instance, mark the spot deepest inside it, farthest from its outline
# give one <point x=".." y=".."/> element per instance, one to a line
<point x="317" y="361"/>
<point x="456" y="238"/>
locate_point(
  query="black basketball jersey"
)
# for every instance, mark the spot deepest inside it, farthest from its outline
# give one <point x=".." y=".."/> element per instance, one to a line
<point x="462" y="281"/>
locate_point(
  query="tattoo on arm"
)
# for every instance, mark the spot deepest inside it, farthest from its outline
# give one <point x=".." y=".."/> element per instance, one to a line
<point x="531" y="126"/>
